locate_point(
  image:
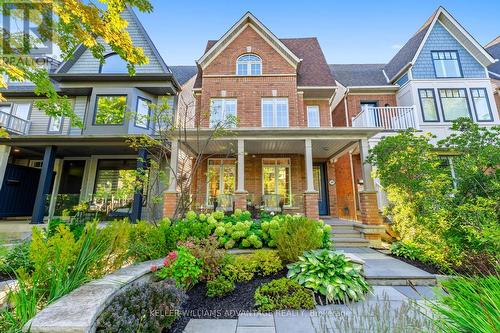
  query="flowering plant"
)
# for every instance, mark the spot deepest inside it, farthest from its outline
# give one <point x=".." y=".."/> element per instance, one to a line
<point x="182" y="266"/>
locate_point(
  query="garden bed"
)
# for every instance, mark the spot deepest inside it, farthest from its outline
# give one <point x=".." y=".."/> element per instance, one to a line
<point x="199" y="306"/>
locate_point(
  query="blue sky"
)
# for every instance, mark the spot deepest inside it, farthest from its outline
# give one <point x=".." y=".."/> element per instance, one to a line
<point x="348" y="31"/>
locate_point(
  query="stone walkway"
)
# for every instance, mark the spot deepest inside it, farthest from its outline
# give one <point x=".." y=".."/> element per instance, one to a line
<point x="320" y="320"/>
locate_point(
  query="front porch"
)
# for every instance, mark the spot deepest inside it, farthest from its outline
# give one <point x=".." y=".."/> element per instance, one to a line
<point x="312" y="172"/>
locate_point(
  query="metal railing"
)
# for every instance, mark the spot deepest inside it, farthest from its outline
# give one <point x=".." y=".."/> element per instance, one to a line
<point x="14" y="124"/>
<point x="389" y="117"/>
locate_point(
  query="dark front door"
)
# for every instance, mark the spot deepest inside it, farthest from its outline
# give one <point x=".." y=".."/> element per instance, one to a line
<point x="18" y="192"/>
<point x="319" y="173"/>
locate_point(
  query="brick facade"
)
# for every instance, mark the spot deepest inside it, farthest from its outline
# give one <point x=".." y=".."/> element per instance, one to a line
<point x="369" y="208"/>
<point x="354" y="106"/>
<point x="169" y="204"/>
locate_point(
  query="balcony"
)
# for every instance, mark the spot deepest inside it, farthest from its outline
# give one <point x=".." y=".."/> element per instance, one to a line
<point x="13" y="124"/>
<point x="391" y="118"/>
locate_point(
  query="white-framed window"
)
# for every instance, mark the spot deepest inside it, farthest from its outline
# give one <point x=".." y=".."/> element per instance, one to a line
<point x="313" y="116"/>
<point x="446" y="64"/>
<point x="221" y="178"/>
<point x="223" y="112"/>
<point x="276" y="178"/>
<point x="275" y="112"/>
<point x="481" y="104"/>
<point x="249" y="64"/>
<point x="454" y="103"/>
<point x="55" y="124"/>
<point x="142" y="113"/>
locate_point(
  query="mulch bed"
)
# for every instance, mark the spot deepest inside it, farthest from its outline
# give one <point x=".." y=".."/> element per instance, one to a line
<point x="429" y="268"/>
<point x="199" y="306"/>
<point x="6" y="277"/>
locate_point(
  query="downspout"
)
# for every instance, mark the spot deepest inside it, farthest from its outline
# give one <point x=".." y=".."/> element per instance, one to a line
<point x="345" y="108"/>
<point x="353" y="187"/>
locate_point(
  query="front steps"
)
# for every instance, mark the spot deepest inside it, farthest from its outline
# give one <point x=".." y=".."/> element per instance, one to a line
<point x="343" y="234"/>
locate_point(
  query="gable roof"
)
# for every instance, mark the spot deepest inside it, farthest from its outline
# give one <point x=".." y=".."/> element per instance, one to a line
<point x="184" y="73"/>
<point x="494" y="49"/>
<point x="236" y="29"/>
<point x="313" y="70"/>
<point x="80" y="50"/>
<point x="410" y="51"/>
<point x="359" y="75"/>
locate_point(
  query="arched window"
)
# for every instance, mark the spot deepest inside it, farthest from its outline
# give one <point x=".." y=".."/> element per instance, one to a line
<point x="113" y="64"/>
<point x="249" y="64"/>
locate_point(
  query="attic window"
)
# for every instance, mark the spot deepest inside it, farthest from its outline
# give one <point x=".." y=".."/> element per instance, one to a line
<point x="113" y="64"/>
<point x="249" y="64"/>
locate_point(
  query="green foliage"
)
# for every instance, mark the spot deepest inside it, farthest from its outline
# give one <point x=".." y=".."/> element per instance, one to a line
<point x="240" y="268"/>
<point x="331" y="274"/>
<point x="283" y="294"/>
<point x="406" y="250"/>
<point x="297" y="234"/>
<point x="207" y="251"/>
<point x="148" y="241"/>
<point x="267" y="262"/>
<point x="471" y="304"/>
<point x="17" y="257"/>
<point x="219" y="287"/>
<point x="182" y="266"/>
<point x="150" y="307"/>
<point x="452" y="221"/>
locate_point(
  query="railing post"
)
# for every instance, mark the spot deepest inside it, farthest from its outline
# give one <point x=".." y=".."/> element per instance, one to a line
<point x="415" y="117"/>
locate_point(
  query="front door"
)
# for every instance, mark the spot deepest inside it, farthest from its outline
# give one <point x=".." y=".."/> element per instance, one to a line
<point x="70" y="186"/>
<point x="319" y="174"/>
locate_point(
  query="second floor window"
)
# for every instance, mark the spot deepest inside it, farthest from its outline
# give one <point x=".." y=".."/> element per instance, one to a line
<point x="428" y="105"/>
<point x="142" y="113"/>
<point x="446" y="64"/>
<point x="313" y="116"/>
<point x="481" y="104"/>
<point x="454" y="103"/>
<point x="110" y="110"/>
<point x="249" y="64"/>
<point x="55" y="124"/>
<point x="223" y="112"/>
<point x="113" y="64"/>
<point x="275" y="112"/>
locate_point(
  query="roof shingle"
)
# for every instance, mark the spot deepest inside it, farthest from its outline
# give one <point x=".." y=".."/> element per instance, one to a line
<point x="350" y="75"/>
<point x="183" y="73"/>
<point x="494" y="50"/>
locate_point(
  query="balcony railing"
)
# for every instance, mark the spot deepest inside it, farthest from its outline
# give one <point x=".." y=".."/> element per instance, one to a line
<point x="14" y="124"/>
<point x="389" y="117"/>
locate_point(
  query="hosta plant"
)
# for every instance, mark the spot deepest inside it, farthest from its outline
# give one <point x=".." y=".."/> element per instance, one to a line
<point x="330" y="274"/>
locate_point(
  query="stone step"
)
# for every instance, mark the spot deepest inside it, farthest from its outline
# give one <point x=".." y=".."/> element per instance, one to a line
<point x="352" y="234"/>
<point x="400" y="281"/>
<point x="350" y="242"/>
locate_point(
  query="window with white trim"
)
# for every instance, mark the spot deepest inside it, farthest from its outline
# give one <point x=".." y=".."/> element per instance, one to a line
<point x="249" y="64"/>
<point x="221" y="178"/>
<point x="223" y="112"/>
<point x="275" y="112"/>
<point x="446" y="63"/>
<point x="428" y="105"/>
<point x="55" y="124"/>
<point x="313" y="116"/>
<point x="481" y="104"/>
<point x="454" y="104"/>
<point x="276" y="178"/>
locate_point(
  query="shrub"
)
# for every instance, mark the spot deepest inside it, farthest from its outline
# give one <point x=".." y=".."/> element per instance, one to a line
<point x="331" y="274"/>
<point x="472" y="304"/>
<point x="219" y="287"/>
<point x="182" y="266"/>
<point x="150" y="307"/>
<point x="147" y="241"/>
<point x="116" y="235"/>
<point x="240" y="268"/>
<point x="52" y="226"/>
<point x="17" y="257"/>
<point x="207" y="251"/>
<point x="283" y="294"/>
<point x="267" y="262"/>
<point x="297" y="234"/>
<point x="407" y="250"/>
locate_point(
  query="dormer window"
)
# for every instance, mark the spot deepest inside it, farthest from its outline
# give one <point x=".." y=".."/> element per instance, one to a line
<point x="113" y="64"/>
<point x="249" y="64"/>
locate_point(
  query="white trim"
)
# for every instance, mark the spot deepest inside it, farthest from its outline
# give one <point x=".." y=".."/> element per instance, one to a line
<point x="223" y="108"/>
<point x="494" y="74"/>
<point x="249" y="64"/>
<point x="235" y="75"/>
<point x="392" y="87"/>
<point x="247" y="20"/>
<point x="274" y="101"/>
<point x="386" y="77"/>
<point x="318" y="115"/>
<point x="221" y="176"/>
<point x="288" y="166"/>
<point x="316" y="87"/>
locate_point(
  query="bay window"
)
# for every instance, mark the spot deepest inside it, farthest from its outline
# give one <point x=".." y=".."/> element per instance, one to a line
<point x="223" y="112"/>
<point x="276" y="178"/>
<point x="454" y="103"/>
<point x="275" y="112"/>
<point x="481" y="104"/>
<point x="221" y="178"/>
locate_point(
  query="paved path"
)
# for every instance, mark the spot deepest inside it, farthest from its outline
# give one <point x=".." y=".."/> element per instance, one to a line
<point x="329" y="316"/>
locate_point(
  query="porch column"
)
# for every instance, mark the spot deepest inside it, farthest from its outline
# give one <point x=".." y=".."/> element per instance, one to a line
<point x="44" y="183"/>
<point x="240" y="196"/>
<point x="370" y="215"/>
<point x="136" y="213"/>
<point x="170" y="196"/>
<point x="311" y="196"/>
<point x="4" y="159"/>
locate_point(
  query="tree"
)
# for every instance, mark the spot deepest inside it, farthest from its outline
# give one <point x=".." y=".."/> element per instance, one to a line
<point x="67" y="24"/>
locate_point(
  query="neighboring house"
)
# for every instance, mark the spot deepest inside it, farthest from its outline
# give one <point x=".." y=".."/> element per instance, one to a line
<point x="48" y="165"/>
<point x="494" y="70"/>
<point x="284" y="149"/>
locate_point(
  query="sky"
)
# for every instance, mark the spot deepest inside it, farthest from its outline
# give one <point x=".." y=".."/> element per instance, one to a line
<point x="349" y="31"/>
